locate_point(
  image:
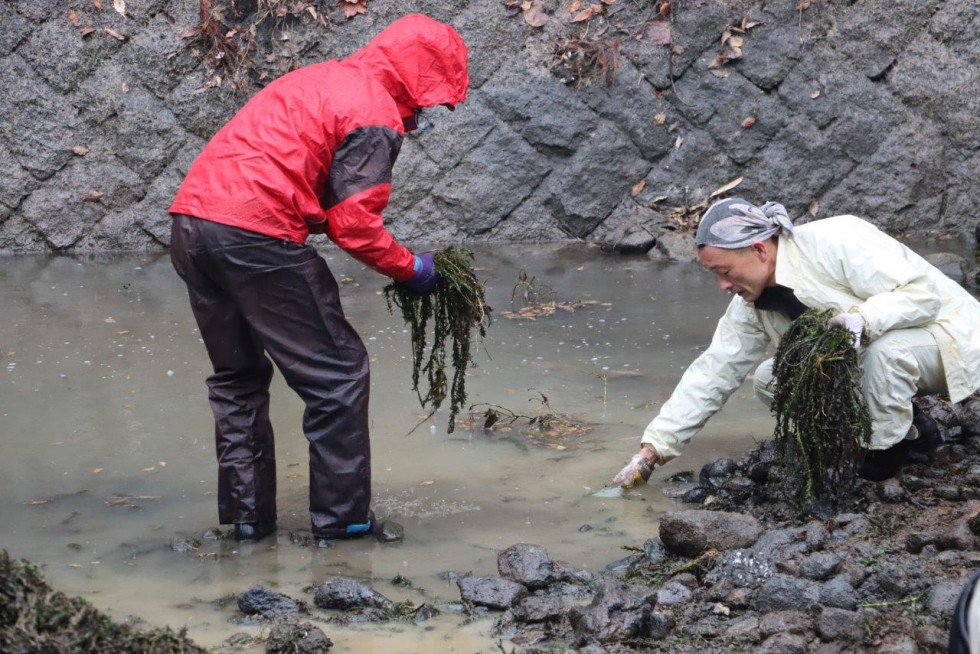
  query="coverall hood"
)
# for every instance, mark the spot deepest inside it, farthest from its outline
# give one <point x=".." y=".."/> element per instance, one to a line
<point x="420" y="61"/>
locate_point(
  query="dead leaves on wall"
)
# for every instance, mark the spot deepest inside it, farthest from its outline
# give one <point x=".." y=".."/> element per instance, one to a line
<point x="732" y="42"/>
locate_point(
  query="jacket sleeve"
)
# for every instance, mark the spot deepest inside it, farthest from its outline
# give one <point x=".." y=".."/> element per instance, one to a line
<point x="358" y="189"/>
<point x="739" y="343"/>
<point x="891" y="279"/>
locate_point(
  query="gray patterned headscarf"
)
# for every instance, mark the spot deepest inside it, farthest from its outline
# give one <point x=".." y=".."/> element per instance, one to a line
<point x="735" y="223"/>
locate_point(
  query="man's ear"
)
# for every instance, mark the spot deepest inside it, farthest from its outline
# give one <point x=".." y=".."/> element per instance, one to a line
<point x="760" y="249"/>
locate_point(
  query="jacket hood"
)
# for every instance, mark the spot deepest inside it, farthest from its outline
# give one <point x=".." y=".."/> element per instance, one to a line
<point x="420" y="61"/>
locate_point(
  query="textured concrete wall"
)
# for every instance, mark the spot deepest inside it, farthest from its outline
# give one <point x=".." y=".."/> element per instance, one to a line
<point x="871" y="108"/>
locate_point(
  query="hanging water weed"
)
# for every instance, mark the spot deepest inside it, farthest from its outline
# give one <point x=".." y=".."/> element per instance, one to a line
<point x="822" y="420"/>
<point x="456" y="308"/>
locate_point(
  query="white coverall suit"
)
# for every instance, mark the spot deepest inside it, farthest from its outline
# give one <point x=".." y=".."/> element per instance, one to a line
<point x="922" y="331"/>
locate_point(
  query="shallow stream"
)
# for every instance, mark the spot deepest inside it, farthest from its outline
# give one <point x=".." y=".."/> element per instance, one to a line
<point x="108" y="441"/>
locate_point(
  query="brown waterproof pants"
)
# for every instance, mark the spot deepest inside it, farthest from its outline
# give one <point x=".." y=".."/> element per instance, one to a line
<point x="254" y="296"/>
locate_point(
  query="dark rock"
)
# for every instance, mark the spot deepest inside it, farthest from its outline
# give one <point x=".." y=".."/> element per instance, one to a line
<point x="792" y="622"/>
<point x="625" y="563"/>
<point x="660" y="625"/>
<point x="654" y="550"/>
<point x="890" y="582"/>
<point x="782" y="644"/>
<point x="424" y="612"/>
<point x="297" y="638"/>
<point x="746" y="628"/>
<point x="492" y="592"/>
<point x="951" y="493"/>
<point x="820" y="566"/>
<point x="526" y="564"/>
<point x="958" y="538"/>
<point x="268" y="604"/>
<point x="619" y="612"/>
<point x="696" y="495"/>
<point x="585" y="528"/>
<point x="839" y="593"/>
<point x="898" y="644"/>
<point x="759" y="472"/>
<point x="673" y="593"/>
<point x="931" y="638"/>
<point x="534" y="608"/>
<point x="343" y="593"/>
<point x="913" y="484"/>
<point x="891" y="490"/>
<point x="689" y="533"/>
<point x="781" y="592"/>
<point x="943" y="597"/>
<point x="815" y="536"/>
<point x="916" y="541"/>
<point x="570" y="575"/>
<point x="835" y="623"/>
<point x="716" y="472"/>
<point x="390" y="531"/>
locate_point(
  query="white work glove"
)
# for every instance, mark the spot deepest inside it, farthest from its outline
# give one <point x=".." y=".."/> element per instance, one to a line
<point x="852" y="322"/>
<point x="636" y="471"/>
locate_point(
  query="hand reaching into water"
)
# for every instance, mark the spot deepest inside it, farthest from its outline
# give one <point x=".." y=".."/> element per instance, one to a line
<point x="638" y="470"/>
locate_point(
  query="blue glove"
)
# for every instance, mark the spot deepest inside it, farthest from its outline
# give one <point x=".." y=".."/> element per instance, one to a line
<point x="425" y="279"/>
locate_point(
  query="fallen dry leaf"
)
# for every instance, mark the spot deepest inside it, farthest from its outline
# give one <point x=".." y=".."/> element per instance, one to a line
<point x="584" y="15"/>
<point x="534" y="14"/>
<point x="93" y="196"/>
<point x="120" y="6"/>
<point x="86" y="31"/>
<point x="37" y="502"/>
<point x="97" y="471"/>
<point x="114" y="34"/>
<point x="637" y="188"/>
<point x="74" y="565"/>
<point x="748" y="122"/>
<point x="352" y="9"/>
<point x="660" y="118"/>
<point x="727" y="187"/>
<point x="427" y="482"/>
<point x="80" y="150"/>
<point x="814" y="208"/>
<point x="660" y="32"/>
<point x="109" y="320"/>
<point x="678" y="142"/>
<point x="815" y="94"/>
<point x="97" y="3"/>
<point x="73" y="18"/>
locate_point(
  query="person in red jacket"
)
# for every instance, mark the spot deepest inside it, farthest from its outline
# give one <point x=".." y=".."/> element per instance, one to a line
<point x="310" y="153"/>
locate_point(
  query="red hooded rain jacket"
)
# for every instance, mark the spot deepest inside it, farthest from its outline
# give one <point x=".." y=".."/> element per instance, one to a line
<point x="313" y="151"/>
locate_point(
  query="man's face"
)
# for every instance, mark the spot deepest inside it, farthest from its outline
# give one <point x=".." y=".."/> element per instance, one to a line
<point x="744" y="272"/>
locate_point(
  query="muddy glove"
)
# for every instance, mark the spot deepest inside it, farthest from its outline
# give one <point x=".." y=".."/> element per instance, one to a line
<point x="425" y="279"/>
<point x="636" y="471"/>
<point x="852" y="322"/>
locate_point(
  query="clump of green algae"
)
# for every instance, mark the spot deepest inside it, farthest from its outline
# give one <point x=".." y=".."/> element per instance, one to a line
<point x="456" y="308"/>
<point x="35" y="618"/>
<point x="822" y="420"/>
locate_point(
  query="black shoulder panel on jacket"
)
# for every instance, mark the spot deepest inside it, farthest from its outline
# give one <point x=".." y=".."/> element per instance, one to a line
<point x="363" y="160"/>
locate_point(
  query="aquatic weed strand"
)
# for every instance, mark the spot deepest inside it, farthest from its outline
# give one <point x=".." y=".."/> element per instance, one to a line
<point x="456" y="307"/>
<point x="822" y="420"/>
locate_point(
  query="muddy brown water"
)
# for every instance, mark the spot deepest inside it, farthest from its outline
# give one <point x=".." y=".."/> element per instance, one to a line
<point x="108" y="446"/>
